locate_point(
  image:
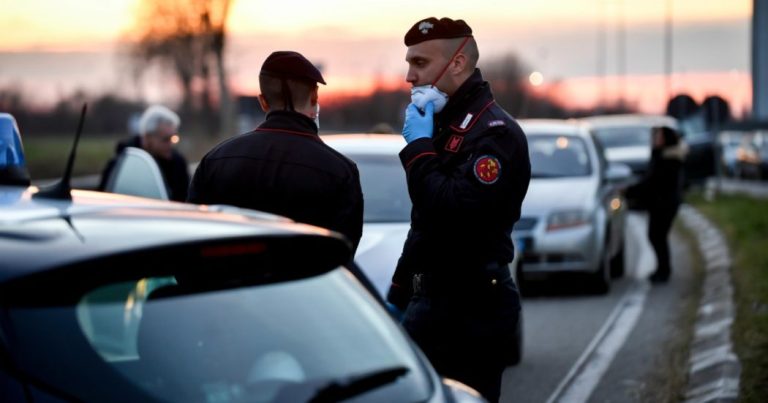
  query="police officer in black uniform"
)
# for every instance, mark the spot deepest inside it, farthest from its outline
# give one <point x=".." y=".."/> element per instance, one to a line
<point x="283" y="167"/>
<point x="468" y="170"/>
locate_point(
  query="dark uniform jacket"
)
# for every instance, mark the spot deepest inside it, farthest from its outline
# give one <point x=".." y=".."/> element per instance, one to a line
<point x="175" y="170"/>
<point x="467" y="184"/>
<point x="284" y="168"/>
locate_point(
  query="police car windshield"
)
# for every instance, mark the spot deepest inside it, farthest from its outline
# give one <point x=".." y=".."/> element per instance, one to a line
<point x="385" y="189"/>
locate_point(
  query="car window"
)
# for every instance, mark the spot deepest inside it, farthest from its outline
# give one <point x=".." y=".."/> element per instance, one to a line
<point x="385" y="189"/>
<point x="269" y="342"/>
<point x="555" y="156"/>
<point x="613" y="137"/>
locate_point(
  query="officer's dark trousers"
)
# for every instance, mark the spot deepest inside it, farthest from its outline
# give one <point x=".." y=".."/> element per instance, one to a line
<point x="466" y="336"/>
<point x="659" y="224"/>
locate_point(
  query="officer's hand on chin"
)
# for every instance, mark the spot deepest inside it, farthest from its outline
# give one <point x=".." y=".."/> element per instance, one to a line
<point x="418" y="125"/>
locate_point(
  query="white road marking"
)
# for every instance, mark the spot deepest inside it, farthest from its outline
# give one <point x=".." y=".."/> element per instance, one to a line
<point x="586" y="373"/>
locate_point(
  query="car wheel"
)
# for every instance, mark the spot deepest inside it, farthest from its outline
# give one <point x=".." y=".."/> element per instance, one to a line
<point x="600" y="281"/>
<point x="617" y="262"/>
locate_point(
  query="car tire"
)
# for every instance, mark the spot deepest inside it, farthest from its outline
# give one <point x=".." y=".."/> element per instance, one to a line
<point x="617" y="261"/>
<point x="600" y="281"/>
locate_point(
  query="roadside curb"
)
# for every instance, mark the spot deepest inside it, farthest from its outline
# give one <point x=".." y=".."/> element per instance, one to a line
<point x="713" y="367"/>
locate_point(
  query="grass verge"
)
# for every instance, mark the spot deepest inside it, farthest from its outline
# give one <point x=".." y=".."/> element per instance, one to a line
<point x="744" y="222"/>
<point x="46" y="155"/>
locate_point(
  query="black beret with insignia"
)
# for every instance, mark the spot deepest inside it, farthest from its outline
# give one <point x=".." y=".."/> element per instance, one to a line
<point x="432" y="28"/>
<point x="291" y="65"/>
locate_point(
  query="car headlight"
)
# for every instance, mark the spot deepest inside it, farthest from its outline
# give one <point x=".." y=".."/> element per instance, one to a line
<point x="567" y="219"/>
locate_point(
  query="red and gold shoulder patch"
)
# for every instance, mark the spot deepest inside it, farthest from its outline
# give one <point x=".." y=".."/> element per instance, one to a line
<point x="454" y="143"/>
<point x="487" y="169"/>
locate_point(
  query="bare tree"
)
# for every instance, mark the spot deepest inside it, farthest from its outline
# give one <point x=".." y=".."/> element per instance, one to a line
<point x="189" y="38"/>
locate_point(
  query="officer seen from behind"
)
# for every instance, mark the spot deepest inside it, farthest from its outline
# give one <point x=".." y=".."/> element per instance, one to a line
<point x="468" y="170"/>
<point x="283" y="167"/>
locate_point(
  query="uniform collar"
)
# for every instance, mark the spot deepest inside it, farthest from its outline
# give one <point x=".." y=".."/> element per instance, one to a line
<point x="464" y="95"/>
<point x="472" y="97"/>
<point x="289" y="121"/>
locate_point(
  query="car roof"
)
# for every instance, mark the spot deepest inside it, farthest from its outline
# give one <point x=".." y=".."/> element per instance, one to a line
<point x="537" y="127"/>
<point x="37" y="234"/>
<point x="356" y="143"/>
<point x="645" y="120"/>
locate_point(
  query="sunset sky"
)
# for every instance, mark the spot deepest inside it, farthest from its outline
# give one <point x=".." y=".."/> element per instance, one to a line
<point x="51" y="47"/>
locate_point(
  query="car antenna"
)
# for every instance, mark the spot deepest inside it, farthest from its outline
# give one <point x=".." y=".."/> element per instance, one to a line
<point x="62" y="189"/>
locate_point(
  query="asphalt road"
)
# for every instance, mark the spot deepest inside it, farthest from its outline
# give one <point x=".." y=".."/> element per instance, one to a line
<point x="585" y="348"/>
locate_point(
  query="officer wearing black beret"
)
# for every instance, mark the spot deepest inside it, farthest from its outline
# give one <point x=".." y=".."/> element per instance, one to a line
<point x="468" y="170"/>
<point x="283" y="167"/>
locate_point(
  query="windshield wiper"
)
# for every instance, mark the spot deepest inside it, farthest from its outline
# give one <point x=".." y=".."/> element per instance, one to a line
<point x="356" y="385"/>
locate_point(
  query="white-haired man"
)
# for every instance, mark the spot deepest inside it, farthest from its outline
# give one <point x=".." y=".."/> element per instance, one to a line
<point x="158" y="135"/>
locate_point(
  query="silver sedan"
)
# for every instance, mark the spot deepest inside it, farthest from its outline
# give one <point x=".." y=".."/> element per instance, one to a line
<point x="573" y="215"/>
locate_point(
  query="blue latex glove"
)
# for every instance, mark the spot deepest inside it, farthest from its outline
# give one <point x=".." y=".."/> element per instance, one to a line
<point x="418" y="125"/>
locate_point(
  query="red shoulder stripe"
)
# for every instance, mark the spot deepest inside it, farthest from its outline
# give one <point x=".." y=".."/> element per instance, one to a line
<point x="305" y="134"/>
<point x="408" y="165"/>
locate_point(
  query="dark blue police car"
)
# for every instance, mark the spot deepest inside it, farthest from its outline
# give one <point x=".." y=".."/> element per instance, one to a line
<point x="107" y="297"/>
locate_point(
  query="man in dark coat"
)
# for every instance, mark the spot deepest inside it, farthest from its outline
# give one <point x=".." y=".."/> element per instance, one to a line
<point x="283" y="167"/>
<point x="158" y="135"/>
<point x="468" y="170"/>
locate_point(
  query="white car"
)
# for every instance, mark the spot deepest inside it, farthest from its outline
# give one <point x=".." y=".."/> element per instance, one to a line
<point x="627" y="138"/>
<point x="573" y="216"/>
<point x="387" y="212"/>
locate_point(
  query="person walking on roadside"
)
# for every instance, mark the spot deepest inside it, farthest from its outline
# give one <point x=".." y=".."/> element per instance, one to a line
<point x="661" y="192"/>
<point x="468" y="169"/>
<point x="158" y="136"/>
<point x="283" y="167"/>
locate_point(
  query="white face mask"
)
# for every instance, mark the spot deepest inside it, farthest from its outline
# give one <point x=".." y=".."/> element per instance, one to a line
<point x="317" y="115"/>
<point x="424" y="93"/>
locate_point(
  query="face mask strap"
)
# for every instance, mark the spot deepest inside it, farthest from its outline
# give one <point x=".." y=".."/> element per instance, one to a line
<point x="287" y="98"/>
<point x="464" y="42"/>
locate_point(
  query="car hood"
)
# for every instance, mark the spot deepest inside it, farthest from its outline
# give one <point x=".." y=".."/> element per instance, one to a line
<point x="547" y="194"/>
<point x="378" y="252"/>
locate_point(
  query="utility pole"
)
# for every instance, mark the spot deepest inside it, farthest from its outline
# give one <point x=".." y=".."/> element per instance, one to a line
<point x="668" y="50"/>
<point x="601" y="54"/>
<point x="621" y="52"/>
<point x="760" y="60"/>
